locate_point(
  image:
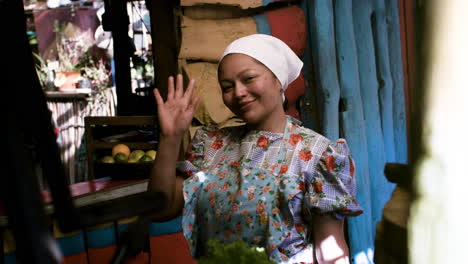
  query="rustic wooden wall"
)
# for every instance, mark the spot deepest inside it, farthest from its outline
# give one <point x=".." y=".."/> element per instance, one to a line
<point x="355" y="54"/>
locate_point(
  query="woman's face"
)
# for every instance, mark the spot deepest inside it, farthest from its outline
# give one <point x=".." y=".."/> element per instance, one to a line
<point x="250" y="90"/>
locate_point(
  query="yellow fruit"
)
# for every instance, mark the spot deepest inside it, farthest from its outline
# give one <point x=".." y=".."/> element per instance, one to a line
<point x="136" y="154"/>
<point x="146" y="158"/>
<point x="121" y="158"/>
<point x="107" y="159"/>
<point x="121" y="148"/>
<point x="151" y="153"/>
<point x="132" y="160"/>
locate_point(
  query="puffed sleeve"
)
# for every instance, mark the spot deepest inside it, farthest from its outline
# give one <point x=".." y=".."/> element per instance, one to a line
<point x="332" y="185"/>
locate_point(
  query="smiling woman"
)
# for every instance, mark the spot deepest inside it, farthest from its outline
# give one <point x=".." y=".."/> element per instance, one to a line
<point x="271" y="183"/>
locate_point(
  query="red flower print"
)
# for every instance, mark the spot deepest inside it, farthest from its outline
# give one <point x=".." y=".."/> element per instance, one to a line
<point x="189" y="173"/>
<point x="276" y="224"/>
<point x="275" y="211"/>
<point x="213" y="202"/>
<point x="190" y="156"/>
<point x="225" y="187"/>
<point x="212" y="195"/>
<point x="345" y="209"/>
<point x="217" y="144"/>
<point x="262" y="176"/>
<point x="215" y="133"/>
<point x="330" y="162"/>
<point x="251" y="196"/>
<point x="238" y="228"/>
<point x="260" y="208"/>
<point x="194" y="188"/>
<point x="284" y="168"/>
<point x="266" y="189"/>
<point x="222" y="175"/>
<point x="351" y="167"/>
<point x="301" y="186"/>
<point x="244" y="212"/>
<point x="231" y="196"/>
<point x="318" y="187"/>
<point x="305" y="155"/>
<point x="190" y="227"/>
<point x="262" y="142"/>
<point x="299" y="227"/>
<point x="235" y="207"/>
<point x="234" y="163"/>
<point x="294" y="139"/>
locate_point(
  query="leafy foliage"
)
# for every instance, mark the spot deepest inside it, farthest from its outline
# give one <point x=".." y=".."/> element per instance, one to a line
<point x="236" y="252"/>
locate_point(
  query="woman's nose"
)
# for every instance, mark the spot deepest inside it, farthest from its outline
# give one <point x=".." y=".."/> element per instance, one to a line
<point x="240" y="90"/>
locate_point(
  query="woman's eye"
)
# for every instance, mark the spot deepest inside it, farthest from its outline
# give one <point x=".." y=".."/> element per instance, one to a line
<point x="249" y="78"/>
<point x="226" y="89"/>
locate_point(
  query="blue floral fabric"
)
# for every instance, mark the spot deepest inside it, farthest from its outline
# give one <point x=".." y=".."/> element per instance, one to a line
<point x="264" y="188"/>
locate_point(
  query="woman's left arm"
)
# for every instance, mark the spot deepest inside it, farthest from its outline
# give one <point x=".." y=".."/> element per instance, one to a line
<point x="329" y="241"/>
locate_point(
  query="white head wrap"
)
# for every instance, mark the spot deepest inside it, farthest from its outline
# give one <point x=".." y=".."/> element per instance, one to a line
<point x="271" y="52"/>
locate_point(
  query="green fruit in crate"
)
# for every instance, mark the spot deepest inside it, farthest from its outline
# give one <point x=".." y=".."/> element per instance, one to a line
<point x="151" y="153"/>
<point x="146" y="158"/>
<point x="136" y="155"/>
<point x="121" y="158"/>
<point x="107" y="159"/>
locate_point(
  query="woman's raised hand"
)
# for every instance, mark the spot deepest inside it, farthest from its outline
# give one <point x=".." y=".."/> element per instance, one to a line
<point x="176" y="113"/>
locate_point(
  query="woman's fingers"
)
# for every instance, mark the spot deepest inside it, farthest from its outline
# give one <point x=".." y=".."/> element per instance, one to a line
<point x="170" y="88"/>
<point x="179" y="90"/>
<point x="190" y="87"/>
<point x="157" y="96"/>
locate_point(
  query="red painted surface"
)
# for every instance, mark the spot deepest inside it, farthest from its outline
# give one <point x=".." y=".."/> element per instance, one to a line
<point x="76" y="259"/>
<point x="289" y="25"/>
<point x="101" y="255"/>
<point x="170" y="249"/>
<point x="295" y="90"/>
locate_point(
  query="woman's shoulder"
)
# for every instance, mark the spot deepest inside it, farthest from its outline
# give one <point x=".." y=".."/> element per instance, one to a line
<point x="213" y="132"/>
<point x="308" y="136"/>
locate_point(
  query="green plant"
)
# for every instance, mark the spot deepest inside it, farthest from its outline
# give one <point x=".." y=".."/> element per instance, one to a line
<point x="236" y="252"/>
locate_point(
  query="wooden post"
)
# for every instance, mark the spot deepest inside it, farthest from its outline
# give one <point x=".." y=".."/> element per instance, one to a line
<point x="353" y="127"/>
<point x="321" y="29"/>
<point x="399" y="96"/>
<point x="362" y="11"/>
<point x="384" y="77"/>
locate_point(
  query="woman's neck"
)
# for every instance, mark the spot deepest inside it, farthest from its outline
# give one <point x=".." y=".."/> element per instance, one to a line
<point x="275" y="124"/>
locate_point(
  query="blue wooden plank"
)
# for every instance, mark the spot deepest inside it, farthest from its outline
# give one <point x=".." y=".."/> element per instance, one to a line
<point x="379" y="26"/>
<point x="308" y="101"/>
<point x="362" y="11"/>
<point x="263" y="26"/>
<point x="352" y="119"/>
<point x="322" y="37"/>
<point x="396" y="67"/>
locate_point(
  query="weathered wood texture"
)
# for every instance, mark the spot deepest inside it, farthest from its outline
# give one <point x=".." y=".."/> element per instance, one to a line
<point x="212" y="35"/>
<point x="364" y="79"/>
<point x="321" y="29"/>
<point x="384" y="77"/>
<point x="396" y="69"/>
<point x="352" y="122"/>
<point x="362" y="11"/>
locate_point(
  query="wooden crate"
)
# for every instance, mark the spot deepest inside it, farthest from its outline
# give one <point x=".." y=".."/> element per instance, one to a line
<point x="103" y="133"/>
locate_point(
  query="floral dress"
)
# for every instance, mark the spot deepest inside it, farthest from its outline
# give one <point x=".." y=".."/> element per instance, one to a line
<point x="264" y="188"/>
